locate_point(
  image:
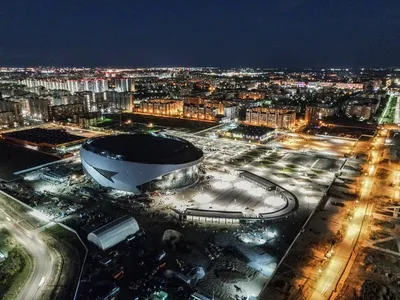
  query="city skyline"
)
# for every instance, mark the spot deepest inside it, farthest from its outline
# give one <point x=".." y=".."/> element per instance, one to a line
<point x="275" y="35"/>
<point x="222" y="178"/>
<point x="206" y="150"/>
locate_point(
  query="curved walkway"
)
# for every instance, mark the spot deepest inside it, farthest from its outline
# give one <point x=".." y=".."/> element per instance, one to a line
<point x="292" y="203"/>
<point x="291" y="206"/>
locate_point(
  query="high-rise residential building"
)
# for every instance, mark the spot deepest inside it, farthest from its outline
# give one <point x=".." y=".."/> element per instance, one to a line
<point x="7" y="118"/>
<point x="39" y="108"/>
<point x="363" y="112"/>
<point x="11" y="112"/>
<point x="161" y="107"/>
<point x="220" y="108"/>
<point x="65" y="112"/>
<point x="131" y="96"/>
<point x="317" y="112"/>
<point x="251" y="95"/>
<point x="122" y="84"/>
<point x="271" y="117"/>
<point x="231" y="111"/>
<point x="362" y="108"/>
<point x="73" y="86"/>
<point x="200" y="111"/>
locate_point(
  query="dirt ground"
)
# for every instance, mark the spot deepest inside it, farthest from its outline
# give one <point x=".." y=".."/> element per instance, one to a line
<point x="295" y="278"/>
<point x="375" y="273"/>
<point x="375" y="265"/>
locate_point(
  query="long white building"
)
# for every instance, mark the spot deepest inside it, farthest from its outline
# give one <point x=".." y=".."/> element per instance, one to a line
<point x="114" y="232"/>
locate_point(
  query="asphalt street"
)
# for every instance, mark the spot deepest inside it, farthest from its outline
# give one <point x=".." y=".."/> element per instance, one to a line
<point x="330" y="276"/>
<point x="43" y="262"/>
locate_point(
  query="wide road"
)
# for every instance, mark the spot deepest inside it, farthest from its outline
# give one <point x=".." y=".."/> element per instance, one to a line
<point x="397" y="111"/>
<point x="330" y="276"/>
<point x="43" y="262"/>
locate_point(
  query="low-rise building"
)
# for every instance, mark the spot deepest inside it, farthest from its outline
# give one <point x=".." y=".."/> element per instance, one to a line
<point x="249" y="132"/>
<point x="114" y="232"/>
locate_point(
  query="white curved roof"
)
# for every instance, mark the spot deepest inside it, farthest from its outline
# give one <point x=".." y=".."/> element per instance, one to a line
<point x="125" y="175"/>
<point x="114" y="232"/>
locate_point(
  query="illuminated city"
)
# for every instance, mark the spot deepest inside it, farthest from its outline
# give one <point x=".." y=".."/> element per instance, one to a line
<point x="124" y="178"/>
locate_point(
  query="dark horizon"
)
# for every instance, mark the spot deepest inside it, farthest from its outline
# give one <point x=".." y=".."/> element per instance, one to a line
<point x="286" y="34"/>
<point x="210" y="67"/>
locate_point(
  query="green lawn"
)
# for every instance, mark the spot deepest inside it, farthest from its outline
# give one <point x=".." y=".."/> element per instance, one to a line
<point x="287" y="170"/>
<point x="319" y="172"/>
<point x="292" y="166"/>
<point x="63" y="235"/>
<point x="388" y="113"/>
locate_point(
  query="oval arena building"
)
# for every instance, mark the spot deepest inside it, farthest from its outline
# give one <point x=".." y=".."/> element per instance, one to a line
<point x="142" y="161"/>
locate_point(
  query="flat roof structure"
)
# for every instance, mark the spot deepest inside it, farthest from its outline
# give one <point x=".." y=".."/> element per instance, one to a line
<point x="250" y="132"/>
<point x="15" y="159"/>
<point x="257" y="179"/>
<point x="42" y="137"/>
<point x="213" y="213"/>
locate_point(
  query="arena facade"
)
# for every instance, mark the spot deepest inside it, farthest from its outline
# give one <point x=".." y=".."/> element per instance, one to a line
<point x="134" y="162"/>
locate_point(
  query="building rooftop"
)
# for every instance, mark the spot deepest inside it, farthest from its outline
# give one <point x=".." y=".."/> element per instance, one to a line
<point x="145" y="148"/>
<point x="43" y="136"/>
<point x="15" y="158"/>
<point x="114" y="232"/>
<point x="322" y="105"/>
<point x="213" y="213"/>
<point x="250" y="130"/>
<point x="362" y="101"/>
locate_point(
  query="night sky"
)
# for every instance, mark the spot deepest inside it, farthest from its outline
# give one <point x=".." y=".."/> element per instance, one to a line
<point x="224" y="33"/>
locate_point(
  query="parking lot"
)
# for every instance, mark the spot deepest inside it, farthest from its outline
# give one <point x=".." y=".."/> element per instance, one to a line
<point x="323" y="145"/>
<point x="307" y="174"/>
